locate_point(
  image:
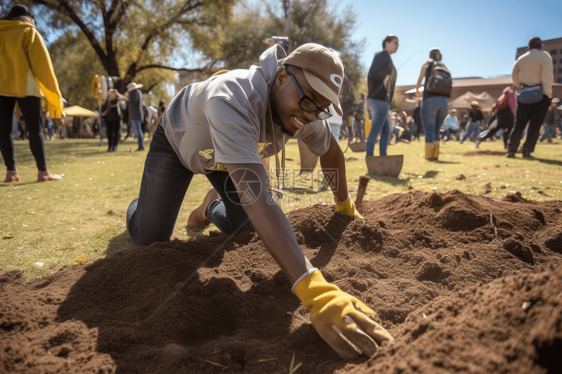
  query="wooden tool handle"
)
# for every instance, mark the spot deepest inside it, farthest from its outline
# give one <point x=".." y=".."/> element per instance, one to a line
<point x="363" y="182"/>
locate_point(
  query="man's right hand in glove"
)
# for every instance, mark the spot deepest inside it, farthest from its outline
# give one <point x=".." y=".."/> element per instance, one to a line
<point x="335" y="314"/>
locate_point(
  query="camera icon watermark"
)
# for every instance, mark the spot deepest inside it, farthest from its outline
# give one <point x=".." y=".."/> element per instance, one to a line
<point x="249" y="187"/>
<point x="290" y="184"/>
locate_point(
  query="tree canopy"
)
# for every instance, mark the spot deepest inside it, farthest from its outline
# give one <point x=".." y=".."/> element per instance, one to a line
<point x="312" y="21"/>
<point x="147" y="41"/>
<point x="131" y="36"/>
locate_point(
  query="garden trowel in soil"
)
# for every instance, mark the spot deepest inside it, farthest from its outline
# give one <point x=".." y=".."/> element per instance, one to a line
<point x="385" y="165"/>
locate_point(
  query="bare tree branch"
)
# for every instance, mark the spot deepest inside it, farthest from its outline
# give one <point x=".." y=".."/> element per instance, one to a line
<point x="147" y="90"/>
<point x="157" y="66"/>
<point x="65" y="8"/>
<point x="122" y="9"/>
<point x="188" y="6"/>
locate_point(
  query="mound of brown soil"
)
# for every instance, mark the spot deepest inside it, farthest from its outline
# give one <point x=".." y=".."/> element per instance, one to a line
<point x="465" y="284"/>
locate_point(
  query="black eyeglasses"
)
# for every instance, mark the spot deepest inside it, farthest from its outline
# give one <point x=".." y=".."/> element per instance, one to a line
<point x="307" y="104"/>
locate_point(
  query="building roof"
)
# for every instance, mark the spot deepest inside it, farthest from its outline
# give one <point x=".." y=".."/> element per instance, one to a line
<point x="460" y="83"/>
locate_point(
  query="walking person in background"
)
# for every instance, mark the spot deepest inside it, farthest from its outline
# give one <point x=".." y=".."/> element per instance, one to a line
<point x="381" y="81"/>
<point x="14" y="133"/>
<point x="504" y="110"/>
<point x="49" y="125"/>
<point x="464" y="122"/>
<point x="112" y="116"/>
<point x="135" y="112"/>
<point x="161" y="108"/>
<point x="532" y="74"/>
<point x="151" y="120"/>
<point x="551" y="120"/>
<point x="559" y="122"/>
<point x="450" y="125"/>
<point x="144" y="123"/>
<point x="21" y="129"/>
<point x="475" y="116"/>
<point x="359" y="120"/>
<point x="26" y="70"/>
<point x="96" y="128"/>
<point x="417" y="121"/>
<point x="126" y="121"/>
<point x="437" y="88"/>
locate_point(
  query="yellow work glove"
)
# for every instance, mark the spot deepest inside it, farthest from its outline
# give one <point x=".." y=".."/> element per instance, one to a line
<point x="348" y="208"/>
<point x="335" y="313"/>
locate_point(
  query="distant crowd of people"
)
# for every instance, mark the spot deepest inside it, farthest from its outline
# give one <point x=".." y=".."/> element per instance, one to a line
<point x="521" y="110"/>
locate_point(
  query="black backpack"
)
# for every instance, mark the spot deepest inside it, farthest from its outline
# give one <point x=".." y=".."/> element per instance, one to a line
<point x="439" y="81"/>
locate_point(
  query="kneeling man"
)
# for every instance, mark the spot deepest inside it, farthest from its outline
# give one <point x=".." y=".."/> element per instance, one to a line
<point x="222" y="128"/>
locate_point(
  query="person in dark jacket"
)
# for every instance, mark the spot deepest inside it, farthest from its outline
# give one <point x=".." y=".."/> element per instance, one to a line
<point x="113" y="119"/>
<point x="381" y="81"/>
<point x="475" y="117"/>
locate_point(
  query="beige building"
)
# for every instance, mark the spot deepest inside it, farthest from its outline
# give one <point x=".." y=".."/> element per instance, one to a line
<point x="554" y="48"/>
<point x="493" y="86"/>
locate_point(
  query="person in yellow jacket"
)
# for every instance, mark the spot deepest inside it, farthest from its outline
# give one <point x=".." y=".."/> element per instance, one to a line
<point x="25" y="71"/>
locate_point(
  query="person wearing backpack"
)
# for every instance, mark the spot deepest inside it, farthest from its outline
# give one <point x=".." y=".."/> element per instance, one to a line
<point x="437" y="88"/>
<point x="532" y="74"/>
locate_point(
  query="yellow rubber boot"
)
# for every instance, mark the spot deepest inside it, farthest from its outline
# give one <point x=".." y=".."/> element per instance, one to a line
<point x="436" y="150"/>
<point x="429" y="149"/>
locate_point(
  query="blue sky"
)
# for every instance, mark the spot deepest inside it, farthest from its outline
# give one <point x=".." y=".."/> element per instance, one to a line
<point x="476" y="38"/>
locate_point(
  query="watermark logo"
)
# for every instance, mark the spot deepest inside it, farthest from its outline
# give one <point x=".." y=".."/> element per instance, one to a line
<point x="294" y="182"/>
<point x="319" y="180"/>
<point x="249" y="187"/>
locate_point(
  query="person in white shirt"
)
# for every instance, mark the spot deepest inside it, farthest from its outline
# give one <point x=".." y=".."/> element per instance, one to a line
<point x="532" y="69"/>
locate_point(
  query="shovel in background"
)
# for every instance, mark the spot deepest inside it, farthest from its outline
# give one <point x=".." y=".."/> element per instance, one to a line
<point x="360" y="146"/>
<point x="385" y="165"/>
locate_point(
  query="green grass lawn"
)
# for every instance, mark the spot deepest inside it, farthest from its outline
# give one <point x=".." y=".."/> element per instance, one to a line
<point x="53" y="223"/>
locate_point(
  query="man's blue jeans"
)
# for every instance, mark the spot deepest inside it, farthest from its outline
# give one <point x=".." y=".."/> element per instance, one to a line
<point x="378" y="112"/>
<point x="472" y="127"/>
<point x="137" y="129"/>
<point x="433" y="112"/>
<point x="164" y="184"/>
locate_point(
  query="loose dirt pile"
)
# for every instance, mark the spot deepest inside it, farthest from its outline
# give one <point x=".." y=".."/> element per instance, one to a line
<point x="465" y="283"/>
